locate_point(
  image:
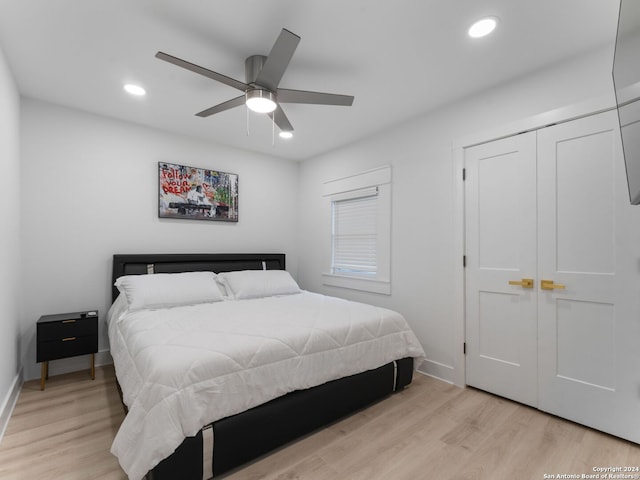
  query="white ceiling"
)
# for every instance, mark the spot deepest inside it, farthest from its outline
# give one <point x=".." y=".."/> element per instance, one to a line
<point x="399" y="58"/>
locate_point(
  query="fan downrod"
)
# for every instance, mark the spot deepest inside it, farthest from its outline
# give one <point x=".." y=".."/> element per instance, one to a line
<point x="252" y="67"/>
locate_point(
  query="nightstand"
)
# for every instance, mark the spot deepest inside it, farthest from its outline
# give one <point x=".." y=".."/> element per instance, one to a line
<point x="66" y="335"/>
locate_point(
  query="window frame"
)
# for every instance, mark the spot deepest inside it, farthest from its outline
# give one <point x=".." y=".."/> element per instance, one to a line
<point x="352" y="187"/>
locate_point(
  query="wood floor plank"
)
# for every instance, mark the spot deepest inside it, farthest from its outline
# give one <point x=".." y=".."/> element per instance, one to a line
<point x="64" y="431"/>
<point x="432" y="430"/>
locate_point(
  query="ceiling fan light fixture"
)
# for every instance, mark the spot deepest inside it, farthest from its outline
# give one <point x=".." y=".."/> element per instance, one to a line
<point x="260" y="100"/>
<point x="260" y="91"/>
<point x="285" y="134"/>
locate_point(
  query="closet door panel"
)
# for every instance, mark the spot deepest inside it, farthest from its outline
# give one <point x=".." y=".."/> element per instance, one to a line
<point x="583" y="314"/>
<point x="583" y="168"/>
<point x="500" y="209"/>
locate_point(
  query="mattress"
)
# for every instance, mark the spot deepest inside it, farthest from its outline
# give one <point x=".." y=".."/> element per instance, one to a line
<point x="184" y="367"/>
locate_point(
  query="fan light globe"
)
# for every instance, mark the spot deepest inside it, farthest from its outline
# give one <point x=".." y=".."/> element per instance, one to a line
<point x="285" y="134"/>
<point x="261" y="101"/>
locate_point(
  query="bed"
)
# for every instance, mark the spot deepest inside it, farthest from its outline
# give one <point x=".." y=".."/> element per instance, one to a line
<point x="211" y="385"/>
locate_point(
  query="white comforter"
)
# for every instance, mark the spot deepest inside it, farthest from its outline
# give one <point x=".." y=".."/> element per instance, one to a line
<point x="184" y="367"/>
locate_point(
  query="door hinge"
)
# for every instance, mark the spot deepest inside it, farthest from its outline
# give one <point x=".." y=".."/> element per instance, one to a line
<point x="464" y="174"/>
<point x="464" y="348"/>
<point x="464" y="261"/>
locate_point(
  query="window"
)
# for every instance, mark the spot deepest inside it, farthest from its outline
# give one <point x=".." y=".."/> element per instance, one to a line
<point x="359" y="256"/>
<point x="354" y="234"/>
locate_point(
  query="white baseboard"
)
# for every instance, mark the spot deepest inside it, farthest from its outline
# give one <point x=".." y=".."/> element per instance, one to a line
<point x="437" y="370"/>
<point x="9" y="403"/>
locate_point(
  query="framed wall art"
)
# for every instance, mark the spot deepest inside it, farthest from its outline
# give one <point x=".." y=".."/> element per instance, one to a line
<point x="197" y="193"/>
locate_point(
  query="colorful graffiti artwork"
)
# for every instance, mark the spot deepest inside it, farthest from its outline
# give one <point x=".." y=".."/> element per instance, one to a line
<point x="196" y="193"/>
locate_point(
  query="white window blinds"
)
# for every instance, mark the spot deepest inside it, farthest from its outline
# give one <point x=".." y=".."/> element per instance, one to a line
<point x="355" y="233"/>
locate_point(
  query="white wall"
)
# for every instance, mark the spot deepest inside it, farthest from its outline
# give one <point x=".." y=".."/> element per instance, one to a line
<point x="9" y="238"/>
<point x="423" y="263"/>
<point x="90" y="189"/>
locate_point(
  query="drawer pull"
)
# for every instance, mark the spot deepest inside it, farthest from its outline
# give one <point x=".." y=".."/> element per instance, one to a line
<point x="68" y="321"/>
<point x="68" y="339"/>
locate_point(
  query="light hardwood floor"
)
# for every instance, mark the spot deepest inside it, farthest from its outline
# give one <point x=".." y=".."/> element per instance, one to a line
<point x="430" y="431"/>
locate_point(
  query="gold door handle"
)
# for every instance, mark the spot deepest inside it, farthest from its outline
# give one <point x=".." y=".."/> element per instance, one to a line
<point x="524" y="283"/>
<point x="549" y="285"/>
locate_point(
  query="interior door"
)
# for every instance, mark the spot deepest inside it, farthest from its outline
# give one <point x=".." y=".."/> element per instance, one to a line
<point x="588" y="331"/>
<point x="501" y="317"/>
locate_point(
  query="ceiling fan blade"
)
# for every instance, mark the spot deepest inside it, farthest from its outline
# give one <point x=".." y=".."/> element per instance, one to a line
<point x="234" y="102"/>
<point x="278" y="60"/>
<point x="203" y="71"/>
<point x="281" y="120"/>
<point x="286" y="95"/>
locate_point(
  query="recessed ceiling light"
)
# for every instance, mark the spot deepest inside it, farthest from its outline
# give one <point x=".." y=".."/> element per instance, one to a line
<point x="135" y="89"/>
<point x="483" y="27"/>
<point x="285" y="134"/>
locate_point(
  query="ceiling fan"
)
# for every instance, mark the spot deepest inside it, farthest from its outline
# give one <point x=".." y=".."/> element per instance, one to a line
<point x="263" y="75"/>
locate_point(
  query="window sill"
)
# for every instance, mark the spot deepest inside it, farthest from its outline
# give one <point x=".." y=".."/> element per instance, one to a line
<point x="355" y="283"/>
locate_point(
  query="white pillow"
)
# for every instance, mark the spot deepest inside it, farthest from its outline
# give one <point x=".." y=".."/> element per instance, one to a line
<point x="161" y="290"/>
<point x="258" y="283"/>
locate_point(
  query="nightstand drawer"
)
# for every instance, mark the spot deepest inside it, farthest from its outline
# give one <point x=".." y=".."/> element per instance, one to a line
<point x="67" y="328"/>
<point x="66" y="347"/>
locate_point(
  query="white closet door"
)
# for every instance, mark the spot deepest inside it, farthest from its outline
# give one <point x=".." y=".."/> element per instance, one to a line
<point x="553" y="206"/>
<point x="501" y="324"/>
<point x="588" y="333"/>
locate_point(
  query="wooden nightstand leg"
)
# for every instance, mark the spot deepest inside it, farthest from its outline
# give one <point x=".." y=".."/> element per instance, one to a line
<point x="43" y="373"/>
<point x="93" y="366"/>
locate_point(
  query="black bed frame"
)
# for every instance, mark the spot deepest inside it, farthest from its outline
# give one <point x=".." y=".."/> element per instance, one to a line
<point x="244" y="437"/>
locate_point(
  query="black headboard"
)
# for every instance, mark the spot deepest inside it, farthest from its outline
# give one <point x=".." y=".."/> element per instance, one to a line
<point x="192" y="262"/>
